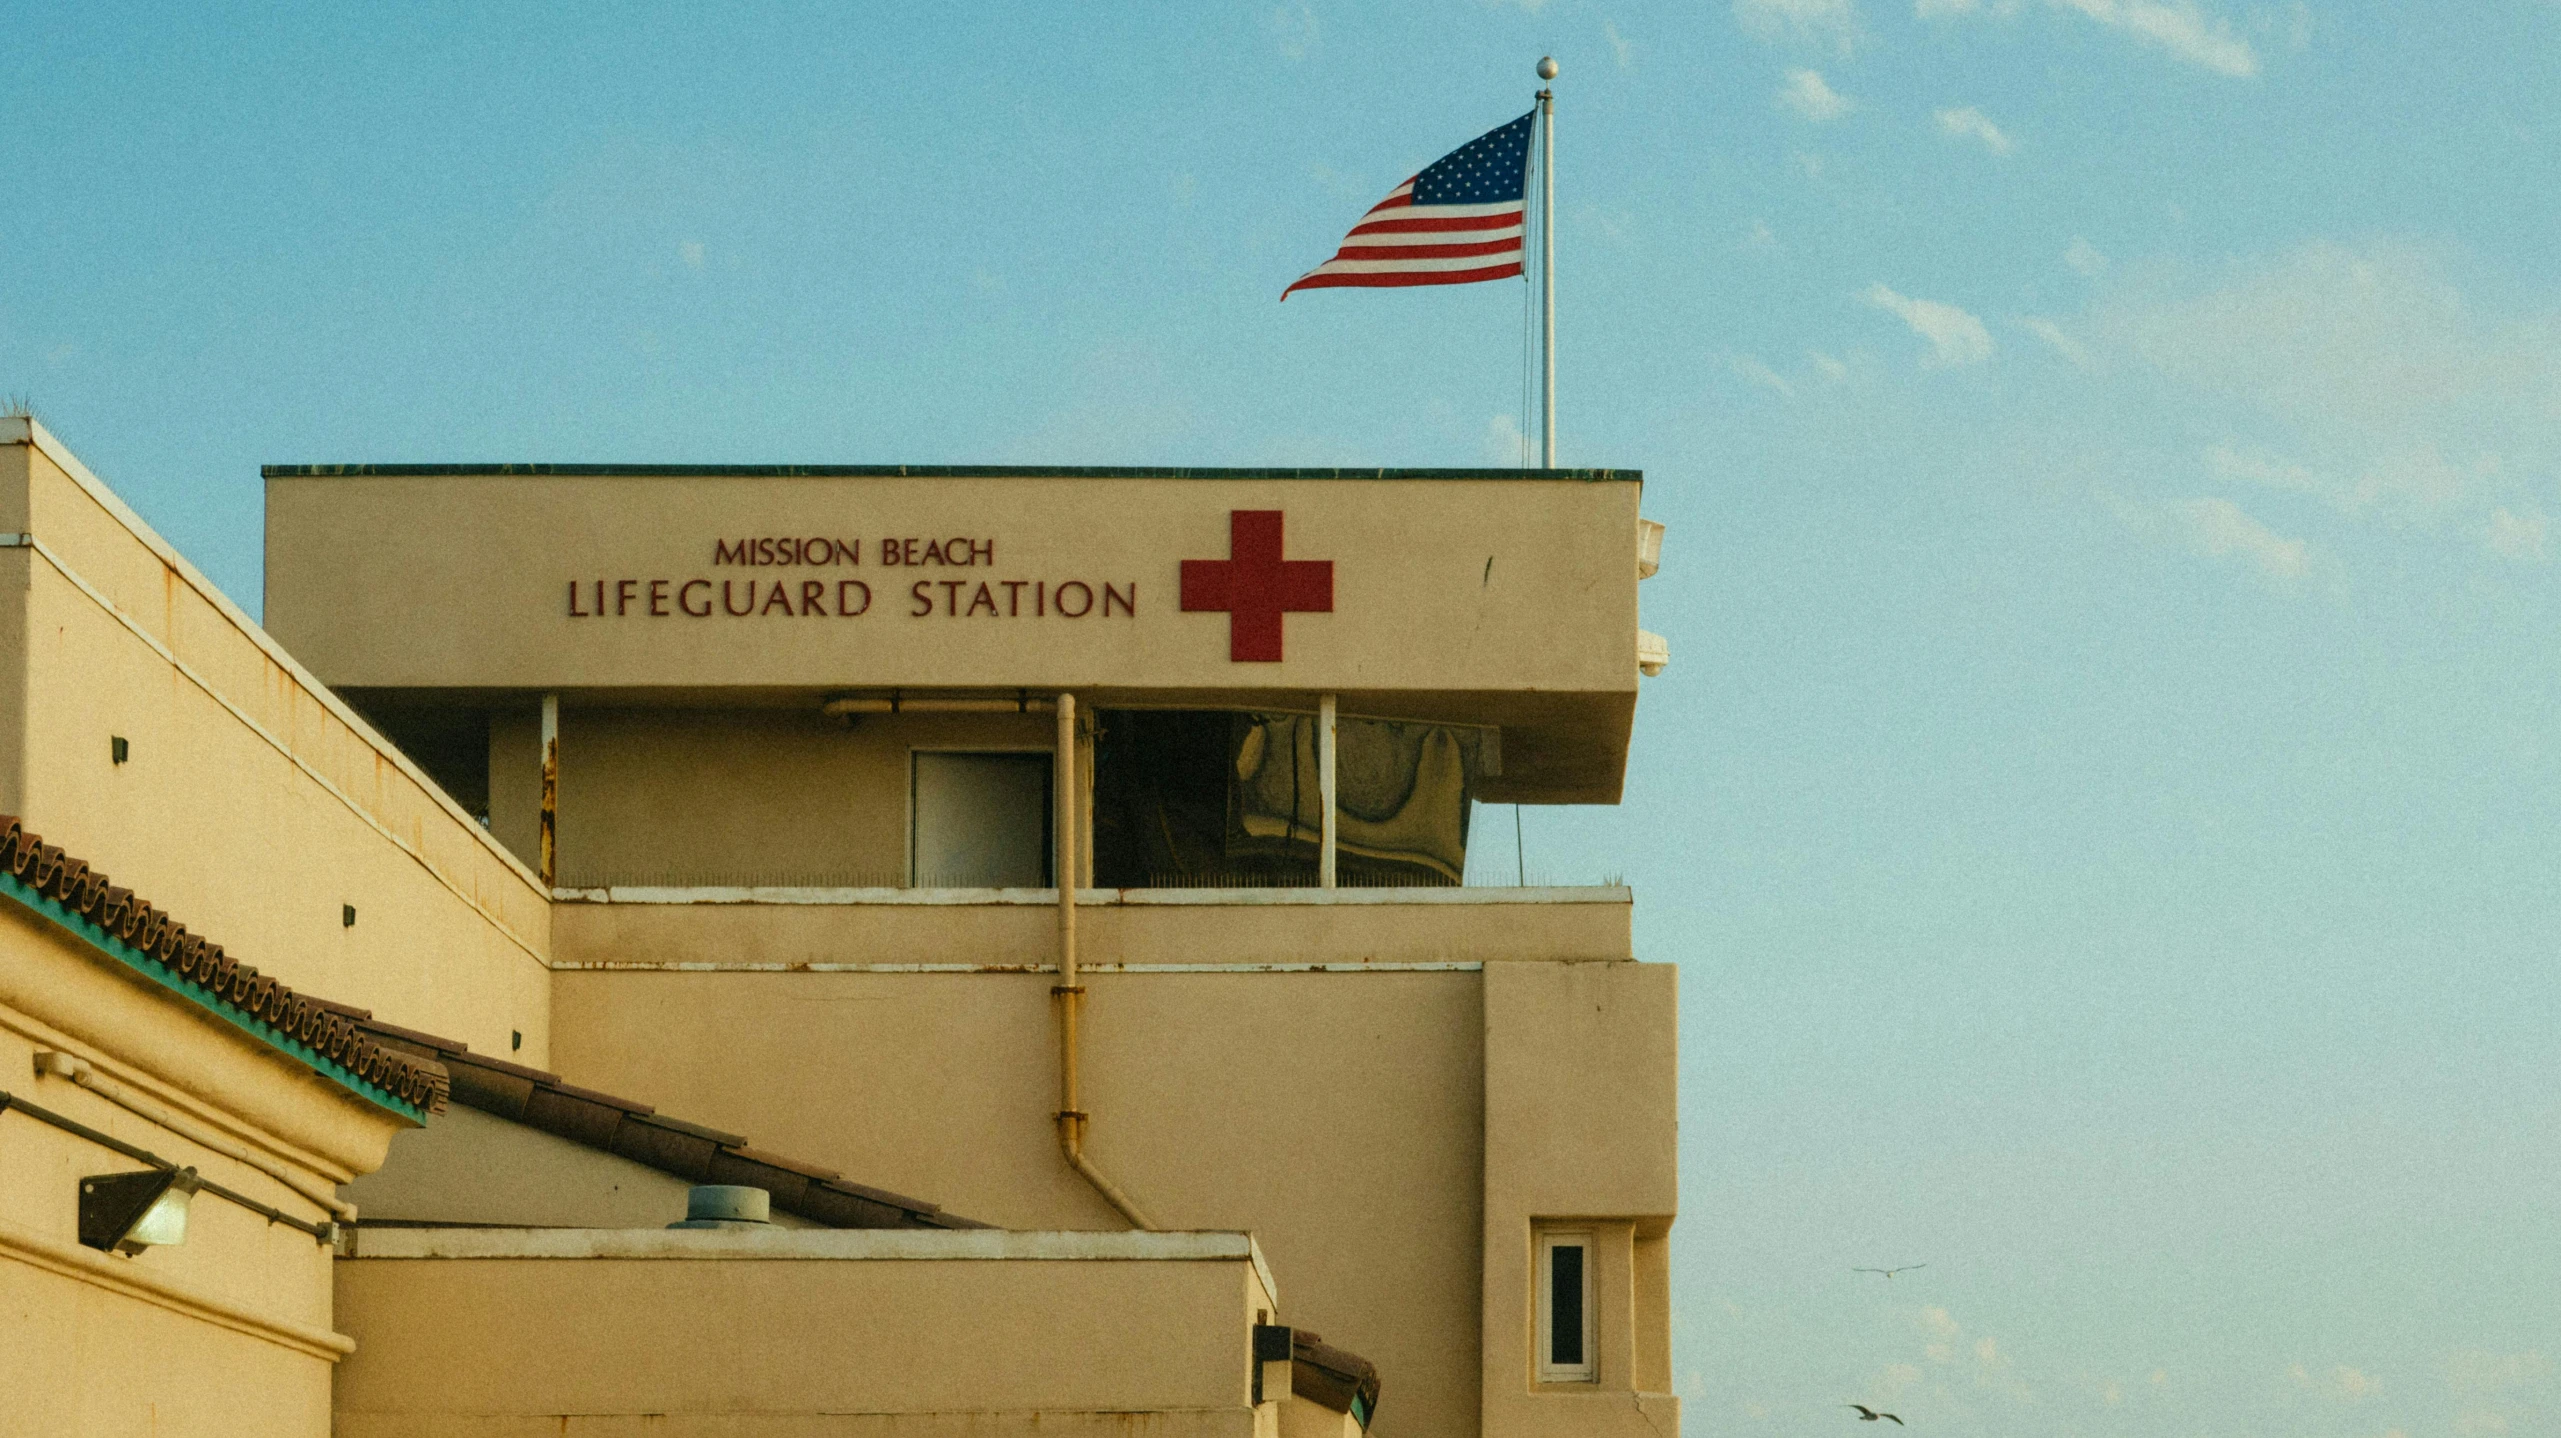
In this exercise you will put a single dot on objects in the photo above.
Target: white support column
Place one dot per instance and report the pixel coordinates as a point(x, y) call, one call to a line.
point(550, 789)
point(1325, 834)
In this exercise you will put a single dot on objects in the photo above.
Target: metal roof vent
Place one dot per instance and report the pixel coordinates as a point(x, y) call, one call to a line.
point(726, 1205)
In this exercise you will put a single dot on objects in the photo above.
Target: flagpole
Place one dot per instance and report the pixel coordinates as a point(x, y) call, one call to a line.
point(1547, 254)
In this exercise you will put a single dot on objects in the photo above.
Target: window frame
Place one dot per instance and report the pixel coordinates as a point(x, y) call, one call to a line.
point(1544, 1328)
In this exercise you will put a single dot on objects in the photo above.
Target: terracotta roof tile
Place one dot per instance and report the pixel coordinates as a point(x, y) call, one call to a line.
point(316, 1032)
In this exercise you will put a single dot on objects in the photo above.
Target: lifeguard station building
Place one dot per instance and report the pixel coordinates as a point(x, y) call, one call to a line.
point(794, 950)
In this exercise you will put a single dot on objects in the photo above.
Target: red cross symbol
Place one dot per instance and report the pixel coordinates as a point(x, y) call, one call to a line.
point(1254, 586)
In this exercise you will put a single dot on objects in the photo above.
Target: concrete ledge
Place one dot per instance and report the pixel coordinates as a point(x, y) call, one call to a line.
point(1099, 898)
point(876, 1244)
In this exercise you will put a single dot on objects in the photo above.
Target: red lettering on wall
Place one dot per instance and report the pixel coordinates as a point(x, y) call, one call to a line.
point(1082, 588)
point(951, 596)
point(863, 608)
point(685, 602)
point(924, 602)
point(1128, 602)
point(733, 610)
point(1013, 597)
point(781, 596)
point(813, 596)
point(574, 611)
point(658, 599)
point(983, 597)
point(623, 589)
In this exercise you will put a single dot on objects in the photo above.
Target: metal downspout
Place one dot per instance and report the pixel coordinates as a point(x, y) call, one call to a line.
point(1070, 993)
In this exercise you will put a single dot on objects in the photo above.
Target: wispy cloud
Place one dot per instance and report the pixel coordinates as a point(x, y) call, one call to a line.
point(1832, 23)
point(1968, 123)
point(2072, 350)
point(2180, 27)
point(2084, 257)
point(2220, 530)
point(1293, 30)
point(1956, 337)
point(1806, 93)
point(1620, 50)
point(1505, 445)
point(1751, 368)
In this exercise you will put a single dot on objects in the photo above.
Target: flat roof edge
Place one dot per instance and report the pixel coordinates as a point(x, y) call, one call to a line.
point(782, 1244)
point(922, 471)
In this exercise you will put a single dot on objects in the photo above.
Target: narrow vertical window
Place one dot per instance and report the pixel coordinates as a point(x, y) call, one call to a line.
point(1565, 1308)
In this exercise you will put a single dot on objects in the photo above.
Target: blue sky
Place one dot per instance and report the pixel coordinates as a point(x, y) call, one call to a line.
point(2103, 799)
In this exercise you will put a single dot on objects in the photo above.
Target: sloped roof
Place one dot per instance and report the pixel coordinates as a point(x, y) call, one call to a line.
point(635, 1131)
point(128, 930)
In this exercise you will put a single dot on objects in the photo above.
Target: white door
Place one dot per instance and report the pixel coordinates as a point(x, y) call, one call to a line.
point(981, 821)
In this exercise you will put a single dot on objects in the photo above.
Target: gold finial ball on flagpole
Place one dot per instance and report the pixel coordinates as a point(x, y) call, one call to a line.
point(1547, 67)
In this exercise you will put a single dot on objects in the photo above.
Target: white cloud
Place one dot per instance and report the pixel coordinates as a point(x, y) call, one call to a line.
point(1968, 123)
point(2084, 257)
point(1819, 22)
point(1760, 236)
point(1956, 338)
point(2178, 27)
point(2520, 537)
point(691, 253)
point(1830, 368)
point(1505, 445)
point(1751, 368)
point(2352, 1385)
point(1807, 95)
point(2072, 350)
point(1620, 50)
point(1293, 29)
point(2220, 530)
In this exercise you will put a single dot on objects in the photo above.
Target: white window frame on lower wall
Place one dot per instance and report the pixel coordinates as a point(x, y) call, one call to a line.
point(1583, 1242)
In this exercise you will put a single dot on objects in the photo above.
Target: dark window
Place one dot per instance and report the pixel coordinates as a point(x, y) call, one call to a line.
point(1216, 799)
point(1565, 1306)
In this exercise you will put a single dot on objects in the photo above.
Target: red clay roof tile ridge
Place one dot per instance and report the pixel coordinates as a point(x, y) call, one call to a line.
point(318, 1033)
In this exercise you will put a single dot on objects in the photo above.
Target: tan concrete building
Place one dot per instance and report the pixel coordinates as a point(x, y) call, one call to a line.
point(746, 792)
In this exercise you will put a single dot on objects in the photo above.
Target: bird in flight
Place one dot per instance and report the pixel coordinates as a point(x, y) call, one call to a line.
point(1890, 1272)
point(1870, 1415)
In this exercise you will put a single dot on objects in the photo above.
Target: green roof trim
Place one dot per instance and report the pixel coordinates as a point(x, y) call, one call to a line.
point(98, 939)
point(922, 471)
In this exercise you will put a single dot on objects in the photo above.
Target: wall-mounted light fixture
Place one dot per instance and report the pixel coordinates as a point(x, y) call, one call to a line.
point(129, 1212)
point(346, 916)
point(117, 750)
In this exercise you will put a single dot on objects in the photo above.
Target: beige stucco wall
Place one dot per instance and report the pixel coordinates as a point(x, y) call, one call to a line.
point(253, 805)
point(1581, 1122)
point(228, 1332)
point(789, 1342)
point(353, 560)
point(1336, 1115)
point(466, 1166)
point(739, 796)
point(1509, 602)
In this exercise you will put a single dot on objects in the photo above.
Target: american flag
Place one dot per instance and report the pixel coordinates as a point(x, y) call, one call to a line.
point(1457, 222)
